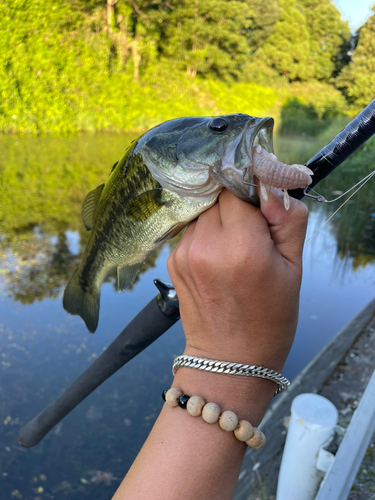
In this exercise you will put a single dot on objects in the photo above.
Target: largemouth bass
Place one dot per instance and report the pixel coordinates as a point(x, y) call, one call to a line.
point(165, 179)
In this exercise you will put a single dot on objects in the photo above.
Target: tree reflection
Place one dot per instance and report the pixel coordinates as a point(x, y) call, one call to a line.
point(46, 180)
point(354, 225)
point(37, 266)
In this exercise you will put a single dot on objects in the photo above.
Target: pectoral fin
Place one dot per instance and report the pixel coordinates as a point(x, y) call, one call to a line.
point(126, 276)
point(89, 205)
point(145, 205)
point(170, 233)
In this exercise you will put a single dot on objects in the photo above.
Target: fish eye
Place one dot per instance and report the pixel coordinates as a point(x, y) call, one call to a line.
point(219, 124)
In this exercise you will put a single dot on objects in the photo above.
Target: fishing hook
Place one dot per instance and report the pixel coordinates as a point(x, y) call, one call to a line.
point(248, 183)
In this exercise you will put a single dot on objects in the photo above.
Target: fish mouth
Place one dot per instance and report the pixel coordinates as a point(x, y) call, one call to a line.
point(259, 135)
point(262, 134)
point(235, 172)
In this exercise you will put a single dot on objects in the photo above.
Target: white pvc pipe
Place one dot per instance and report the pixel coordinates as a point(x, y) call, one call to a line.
point(312, 423)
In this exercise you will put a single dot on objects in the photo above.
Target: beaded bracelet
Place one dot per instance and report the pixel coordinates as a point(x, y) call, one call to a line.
point(211, 413)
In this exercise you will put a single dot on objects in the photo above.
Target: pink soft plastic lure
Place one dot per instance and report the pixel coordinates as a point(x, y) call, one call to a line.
point(273, 173)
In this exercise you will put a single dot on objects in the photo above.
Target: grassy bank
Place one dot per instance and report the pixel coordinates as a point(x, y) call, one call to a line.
point(120, 104)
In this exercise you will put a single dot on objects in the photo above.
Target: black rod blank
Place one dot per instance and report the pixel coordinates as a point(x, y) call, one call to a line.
point(356, 133)
point(144, 329)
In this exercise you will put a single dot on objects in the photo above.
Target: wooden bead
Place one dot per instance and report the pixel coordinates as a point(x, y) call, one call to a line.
point(228, 421)
point(257, 441)
point(172, 395)
point(211, 413)
point(244, 431)
point(195, 405)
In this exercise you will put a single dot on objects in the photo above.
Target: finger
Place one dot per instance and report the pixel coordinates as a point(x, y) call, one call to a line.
point(204, 246)
point(177, 262)
point(199, 234)
point(208, 223)
point(179, 270)
point(237, 214)
point(187, 236)
point(287, 227)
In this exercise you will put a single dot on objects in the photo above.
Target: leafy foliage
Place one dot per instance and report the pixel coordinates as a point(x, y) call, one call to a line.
point(309, 41)
point(262, 19)
point(208, 38)
point(358, 78)
point(87, 65)
point(329, 38)
point(287, 49)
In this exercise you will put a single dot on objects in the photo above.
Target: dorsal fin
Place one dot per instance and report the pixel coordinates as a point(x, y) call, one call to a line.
point(114, 166)
point(145, 205)
point(89, 205)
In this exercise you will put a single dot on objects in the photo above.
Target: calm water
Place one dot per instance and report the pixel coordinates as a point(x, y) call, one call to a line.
point(43, 349)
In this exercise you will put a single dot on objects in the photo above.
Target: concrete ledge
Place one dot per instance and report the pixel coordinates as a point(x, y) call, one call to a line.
point(310, 379)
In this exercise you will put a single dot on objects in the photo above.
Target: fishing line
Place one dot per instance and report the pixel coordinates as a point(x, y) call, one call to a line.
point(362, 183)
point(322, 199)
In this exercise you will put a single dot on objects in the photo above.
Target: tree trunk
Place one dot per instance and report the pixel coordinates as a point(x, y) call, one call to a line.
point(110, 12)
point(192, 72)
point(136, 59)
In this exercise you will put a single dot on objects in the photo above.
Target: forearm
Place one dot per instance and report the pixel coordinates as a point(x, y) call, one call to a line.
point(185, 457)
point(237, 272)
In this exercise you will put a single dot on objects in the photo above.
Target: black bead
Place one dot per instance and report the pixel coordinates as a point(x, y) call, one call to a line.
point(182, 401)
point(219, 124)
point(163, 394)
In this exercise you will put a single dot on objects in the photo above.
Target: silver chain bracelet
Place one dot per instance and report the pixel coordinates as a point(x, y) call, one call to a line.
point(215, 366)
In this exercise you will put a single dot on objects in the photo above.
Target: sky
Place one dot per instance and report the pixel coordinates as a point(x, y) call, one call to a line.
point(355, 11)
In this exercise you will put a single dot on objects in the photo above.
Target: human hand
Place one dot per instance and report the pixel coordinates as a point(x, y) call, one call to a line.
point(237, 272)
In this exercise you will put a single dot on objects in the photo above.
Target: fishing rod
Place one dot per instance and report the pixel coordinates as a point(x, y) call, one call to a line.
point(162, 311)
point(356, 133)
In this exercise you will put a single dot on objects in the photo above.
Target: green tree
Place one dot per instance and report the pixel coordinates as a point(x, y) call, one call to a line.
point(137, 31)
point(128, 64)
point(262, 19)
point(329, 38)
point(207, 38)
point(357, 80)
point(287, 50)
point(49, 63)
point(133, 28)
point(308, 41)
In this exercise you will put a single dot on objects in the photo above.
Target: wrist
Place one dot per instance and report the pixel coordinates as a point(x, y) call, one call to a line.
point(272, 357)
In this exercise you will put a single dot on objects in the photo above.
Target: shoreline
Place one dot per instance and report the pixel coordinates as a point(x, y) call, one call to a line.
point(340, 372)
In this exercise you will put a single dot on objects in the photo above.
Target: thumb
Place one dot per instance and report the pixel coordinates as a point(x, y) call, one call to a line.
point(287, 227)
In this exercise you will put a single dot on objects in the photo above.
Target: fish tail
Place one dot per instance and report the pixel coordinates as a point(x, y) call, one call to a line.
point(84, 303)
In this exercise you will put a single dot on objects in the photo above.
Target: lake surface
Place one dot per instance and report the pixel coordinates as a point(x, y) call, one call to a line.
point(43, 349)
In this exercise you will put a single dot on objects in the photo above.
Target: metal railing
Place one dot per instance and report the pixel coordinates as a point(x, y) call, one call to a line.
point(340, 476)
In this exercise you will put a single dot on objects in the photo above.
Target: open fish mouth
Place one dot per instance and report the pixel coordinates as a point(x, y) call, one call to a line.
point(270, 172)
point(249, 155)
point(236, 170)
point(262, 135)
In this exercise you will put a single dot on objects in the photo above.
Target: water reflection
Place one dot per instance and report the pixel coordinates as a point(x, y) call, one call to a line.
point(45, 181)
point(42, 235)
point(354, 225)
point(43, 349)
